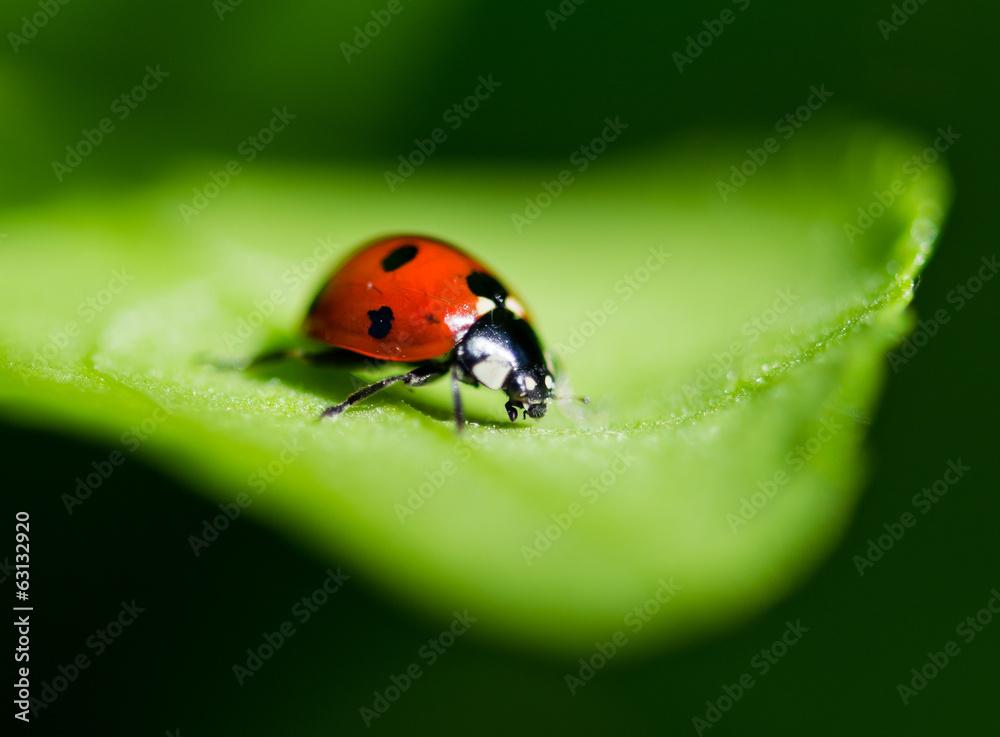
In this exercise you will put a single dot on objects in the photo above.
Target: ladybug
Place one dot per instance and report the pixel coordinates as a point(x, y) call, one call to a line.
point(417, 300)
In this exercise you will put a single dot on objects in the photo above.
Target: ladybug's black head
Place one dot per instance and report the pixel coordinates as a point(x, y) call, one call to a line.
point(501, 351)
point(530, 388)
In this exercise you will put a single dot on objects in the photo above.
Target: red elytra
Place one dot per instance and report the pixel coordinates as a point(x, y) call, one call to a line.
point(423, 308)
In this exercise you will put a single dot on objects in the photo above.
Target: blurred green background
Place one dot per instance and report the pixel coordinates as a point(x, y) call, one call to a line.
point(227, 73)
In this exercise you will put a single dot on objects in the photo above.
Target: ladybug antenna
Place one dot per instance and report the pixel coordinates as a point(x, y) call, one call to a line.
point(573, 398)
point(563, 392)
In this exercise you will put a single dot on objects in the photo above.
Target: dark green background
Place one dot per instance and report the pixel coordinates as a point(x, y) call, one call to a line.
point(607, 59)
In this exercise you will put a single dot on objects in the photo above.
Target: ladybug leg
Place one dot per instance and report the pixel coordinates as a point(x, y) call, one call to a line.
point(271, 356)
point(512, 408)
point(419, 376)
point(340, 357)
point(457, 398)
point(329, 357)
point(332, 356)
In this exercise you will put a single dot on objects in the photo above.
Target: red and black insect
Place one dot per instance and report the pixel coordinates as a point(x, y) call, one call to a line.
point(418, 300)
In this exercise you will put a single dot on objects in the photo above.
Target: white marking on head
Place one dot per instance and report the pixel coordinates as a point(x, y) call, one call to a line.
point(492, 372)
point(514, 306)
point(529, 383)
point(484, 305)
point(549, 384)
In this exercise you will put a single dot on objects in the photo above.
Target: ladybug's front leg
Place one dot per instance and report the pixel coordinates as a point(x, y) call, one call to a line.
point(456, 397)
point(512, 407)
point(419, 376)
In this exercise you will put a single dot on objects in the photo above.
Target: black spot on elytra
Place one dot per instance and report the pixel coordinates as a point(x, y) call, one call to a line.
point(484, 285)
point(381, 322)
point(431, 319)
point(399, 257)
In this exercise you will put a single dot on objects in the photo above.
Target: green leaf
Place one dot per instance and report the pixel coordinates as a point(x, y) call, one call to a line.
point(732, 346)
